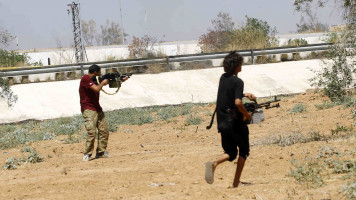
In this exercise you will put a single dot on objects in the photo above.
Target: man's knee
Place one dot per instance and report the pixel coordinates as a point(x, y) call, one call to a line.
point(244, 154)
point(232, 155)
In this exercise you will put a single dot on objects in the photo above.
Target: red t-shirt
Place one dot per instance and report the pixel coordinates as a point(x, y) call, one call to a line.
point(88, 98)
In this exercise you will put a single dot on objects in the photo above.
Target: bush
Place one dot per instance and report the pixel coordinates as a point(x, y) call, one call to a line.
point(297, 42)
point(350, 190)
point(143, 47)
point(224, 36)
point(192, 120)
point(6, 92)
point(294, 138)
point(12, 163)
point(324, 105)
point(169, 112)
point(33, 157)
point(339, 129)
point(12, 58)
point(308, 173)
point(298, 108)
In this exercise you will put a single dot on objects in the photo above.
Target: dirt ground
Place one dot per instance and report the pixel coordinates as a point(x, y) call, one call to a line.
point(166, 160)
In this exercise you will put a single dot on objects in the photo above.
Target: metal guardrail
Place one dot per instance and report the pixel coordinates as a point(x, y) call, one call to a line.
point(23, 71)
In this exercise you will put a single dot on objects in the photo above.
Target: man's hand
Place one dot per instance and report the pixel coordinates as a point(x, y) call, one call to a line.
point(124, 79)
point(249, 116)
point(250, 96)
point(105, 82)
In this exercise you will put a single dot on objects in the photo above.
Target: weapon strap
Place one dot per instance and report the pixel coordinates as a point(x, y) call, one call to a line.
point(212, 120)
point(118, 88)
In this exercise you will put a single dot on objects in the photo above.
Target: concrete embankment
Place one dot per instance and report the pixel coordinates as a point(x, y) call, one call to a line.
point(58, 99)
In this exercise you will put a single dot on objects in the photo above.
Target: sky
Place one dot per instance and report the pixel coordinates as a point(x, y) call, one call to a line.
point(46, 23)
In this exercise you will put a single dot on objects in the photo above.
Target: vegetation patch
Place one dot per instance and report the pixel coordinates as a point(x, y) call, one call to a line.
point(32, 157)
point(299, 108)
point(324, 105)
point(308, 173)
point(312, 171)
point(12, 135)
point(290, 139)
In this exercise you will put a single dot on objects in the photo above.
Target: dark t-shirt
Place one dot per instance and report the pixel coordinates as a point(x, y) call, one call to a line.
point(88, 98)
point(230, 88)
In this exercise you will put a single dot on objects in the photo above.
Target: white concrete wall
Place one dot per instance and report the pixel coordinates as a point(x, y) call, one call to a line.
point(58, 99)
point(102, 53)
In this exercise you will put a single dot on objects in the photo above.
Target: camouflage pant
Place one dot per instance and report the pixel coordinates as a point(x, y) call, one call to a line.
point(94, 121)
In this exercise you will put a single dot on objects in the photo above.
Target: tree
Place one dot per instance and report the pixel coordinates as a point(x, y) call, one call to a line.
point(340, 75)
point(142, 47)
point(224, 36)
point(5, 90)
point(109, 34)
point(313, 25)
point(5, 38)
point(219, 37)
point(89, 32)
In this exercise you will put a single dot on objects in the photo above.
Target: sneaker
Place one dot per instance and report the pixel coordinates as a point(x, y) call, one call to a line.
point(103, 155)
point(86, 158)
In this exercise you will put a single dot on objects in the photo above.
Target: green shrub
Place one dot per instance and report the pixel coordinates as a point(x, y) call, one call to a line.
point(350, 190)
point(12, 58)
point(192, 120)
point(12, 163)
point(347, 101)
point(339, 129)
point(308, 173)
point(294, 138)
point(324, 105)
point(169, 112)
point(327, 152)
point(298, 108)
point(34, 157)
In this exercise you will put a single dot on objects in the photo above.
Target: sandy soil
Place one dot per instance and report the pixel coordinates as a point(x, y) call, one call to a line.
point(166, 160)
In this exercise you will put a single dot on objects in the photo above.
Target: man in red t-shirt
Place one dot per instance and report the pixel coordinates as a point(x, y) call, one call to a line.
point(93, 114)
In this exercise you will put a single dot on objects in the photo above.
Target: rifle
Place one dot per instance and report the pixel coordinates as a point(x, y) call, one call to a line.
point(254, 107)
point(114, 78)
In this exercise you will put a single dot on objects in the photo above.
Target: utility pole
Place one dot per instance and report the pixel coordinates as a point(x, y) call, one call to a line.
point(122, 25)
point(77, 32)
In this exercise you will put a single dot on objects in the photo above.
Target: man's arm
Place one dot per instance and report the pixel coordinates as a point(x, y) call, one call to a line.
point(97, 88)
point(240, 106)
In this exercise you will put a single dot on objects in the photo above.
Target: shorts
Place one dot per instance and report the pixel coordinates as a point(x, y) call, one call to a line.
point(237, 137)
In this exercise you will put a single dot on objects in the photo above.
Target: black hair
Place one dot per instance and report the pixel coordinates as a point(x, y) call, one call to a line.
point(232, 61)
point(94, 68)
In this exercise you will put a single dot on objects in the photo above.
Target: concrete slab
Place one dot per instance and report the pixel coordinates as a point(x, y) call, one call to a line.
point(59, 99)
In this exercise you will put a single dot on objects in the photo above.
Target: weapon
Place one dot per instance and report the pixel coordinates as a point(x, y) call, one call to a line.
point(254, 107)
point(114, 78)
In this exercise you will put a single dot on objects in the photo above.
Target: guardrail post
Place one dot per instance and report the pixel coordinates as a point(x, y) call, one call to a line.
point(82, 70)
point(167, 63)
point(252, 57)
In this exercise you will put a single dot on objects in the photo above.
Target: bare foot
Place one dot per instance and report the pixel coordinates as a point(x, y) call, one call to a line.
point(240, 184)
point(209, 172)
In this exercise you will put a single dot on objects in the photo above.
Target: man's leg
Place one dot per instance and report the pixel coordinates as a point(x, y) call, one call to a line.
point(90, 118)
point(211, 166)
point(103, 135)
point(244, 146)
point(222, 158)
point(239, 168)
